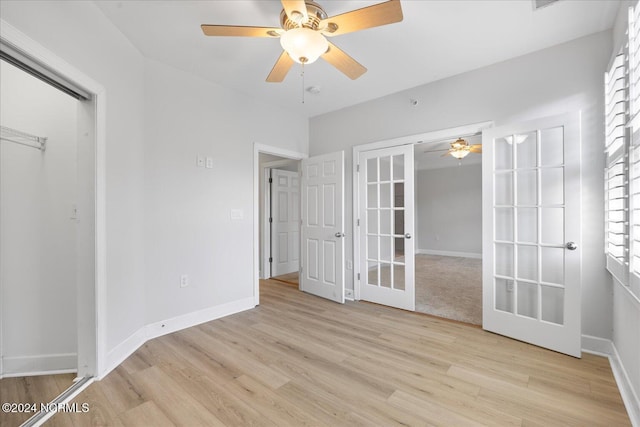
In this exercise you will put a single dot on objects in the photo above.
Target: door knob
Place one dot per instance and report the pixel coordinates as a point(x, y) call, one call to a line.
point(407, 236)
point(339, 234)
point(571, 246)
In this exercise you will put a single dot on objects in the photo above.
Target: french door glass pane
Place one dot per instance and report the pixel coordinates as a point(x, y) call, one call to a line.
point(527, 225)
point(385, 221)
point(552, 264)
point(372, 221)
point(399, 250)
point(503, 154)
point(398, 167)
point(372, 273)
point(372, 170)
point(503, 189)
point(372, 195)
point(504, 259)
point(552, 226)
point(527, 188)
point(552, 304)
point(504, 224)
point(552, 180)
point(385, 195)
point(398, 277)
point(504, 295)
point(528, 299)
point(527, 262)
point(526, 149)
point(385, 168)
point(385, 275)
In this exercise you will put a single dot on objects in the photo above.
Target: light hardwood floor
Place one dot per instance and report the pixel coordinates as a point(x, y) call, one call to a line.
point(36, 389)
point(301, 360)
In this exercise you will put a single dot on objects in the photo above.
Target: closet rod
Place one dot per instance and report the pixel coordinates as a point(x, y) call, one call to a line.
point(23, 138)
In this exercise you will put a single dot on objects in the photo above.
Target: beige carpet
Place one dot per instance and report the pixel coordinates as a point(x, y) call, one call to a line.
point(449, 287)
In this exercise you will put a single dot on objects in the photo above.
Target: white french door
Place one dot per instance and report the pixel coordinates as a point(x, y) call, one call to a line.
point(531, 232)
point(386, 211)
point(322, 272)
point(285, 222)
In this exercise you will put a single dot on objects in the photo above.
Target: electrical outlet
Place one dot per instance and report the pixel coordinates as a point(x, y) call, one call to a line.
point(348, 293)
point(349, 265)
point(184, 281)
point(200, 161)
point(209, 164)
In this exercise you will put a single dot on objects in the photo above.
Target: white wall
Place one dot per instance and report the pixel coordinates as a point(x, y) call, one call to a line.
point(449, 210)
point(563, 78)
point(189, 229)
point(38, 245)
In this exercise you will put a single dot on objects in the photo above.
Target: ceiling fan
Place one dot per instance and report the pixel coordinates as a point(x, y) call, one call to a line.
point(304, 25)
point(459, 149)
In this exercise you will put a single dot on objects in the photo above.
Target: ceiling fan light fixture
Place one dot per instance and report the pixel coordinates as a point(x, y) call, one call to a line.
point(304, 45)
point(459, 153)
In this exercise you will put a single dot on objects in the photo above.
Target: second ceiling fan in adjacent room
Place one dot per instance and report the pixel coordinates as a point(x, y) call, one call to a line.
point(303, 32)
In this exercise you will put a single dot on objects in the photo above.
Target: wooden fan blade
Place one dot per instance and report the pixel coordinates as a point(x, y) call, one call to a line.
point(296, 10)
point(446, 154)
point(280, 69)
point(435, 151)
point(343, 62)
point(476, 148)
point(360, 19)
point(239, 31)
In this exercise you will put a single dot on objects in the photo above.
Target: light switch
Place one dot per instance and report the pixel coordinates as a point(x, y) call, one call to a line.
point(209, 162)
point(200, 161)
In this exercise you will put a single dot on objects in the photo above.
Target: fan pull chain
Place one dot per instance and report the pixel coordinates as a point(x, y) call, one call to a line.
point(302, 75)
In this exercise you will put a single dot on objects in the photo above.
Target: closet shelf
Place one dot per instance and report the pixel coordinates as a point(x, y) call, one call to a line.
point(22, 138)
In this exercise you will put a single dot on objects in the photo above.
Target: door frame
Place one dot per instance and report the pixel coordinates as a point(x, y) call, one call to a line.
point(421, 138)
point(91, 233)
point(257, 203)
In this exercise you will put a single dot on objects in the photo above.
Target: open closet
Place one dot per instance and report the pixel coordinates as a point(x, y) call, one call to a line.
point(38, 255)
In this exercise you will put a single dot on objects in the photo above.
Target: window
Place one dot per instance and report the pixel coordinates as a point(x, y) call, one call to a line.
point(622, 171)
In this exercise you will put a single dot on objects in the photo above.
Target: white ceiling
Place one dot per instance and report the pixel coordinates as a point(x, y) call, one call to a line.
point(436, 39)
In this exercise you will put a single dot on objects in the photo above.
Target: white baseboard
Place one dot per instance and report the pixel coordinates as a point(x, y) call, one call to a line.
point(449, 253)
point(119, 353)
point(44, 364)
point(604, 347)
point(188, 320)
point(125, 349)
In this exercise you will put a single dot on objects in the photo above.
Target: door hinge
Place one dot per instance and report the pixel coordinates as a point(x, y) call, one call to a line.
point(270, 180)
point(357, 168)
point(358, 222)
point(358, 276)
point(270, 220)
point(270, 259)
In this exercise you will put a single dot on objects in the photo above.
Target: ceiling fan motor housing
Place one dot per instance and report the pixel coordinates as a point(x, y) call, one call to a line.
point(315, 12)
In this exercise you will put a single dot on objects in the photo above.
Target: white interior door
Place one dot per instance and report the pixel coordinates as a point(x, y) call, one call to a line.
point(285, 222)
point(322, 271)
point(386, 210)
point(531, 232)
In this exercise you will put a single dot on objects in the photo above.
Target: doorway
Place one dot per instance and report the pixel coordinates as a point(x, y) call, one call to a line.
point(449, 231)
point(266, 159)
point(280, 218)
point(409, 237)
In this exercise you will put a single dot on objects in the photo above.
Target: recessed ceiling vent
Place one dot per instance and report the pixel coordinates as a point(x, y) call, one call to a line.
point(539, 4)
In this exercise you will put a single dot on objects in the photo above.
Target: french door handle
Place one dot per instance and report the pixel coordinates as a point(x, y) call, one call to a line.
point(339, 234)
point(407, 236)
point(571, 246)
